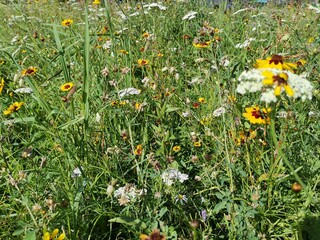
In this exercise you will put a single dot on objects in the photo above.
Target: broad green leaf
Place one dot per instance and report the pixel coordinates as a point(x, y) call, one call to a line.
point(129, 221)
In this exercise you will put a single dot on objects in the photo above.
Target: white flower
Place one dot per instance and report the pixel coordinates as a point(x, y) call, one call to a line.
point(129, 192)
point(251, 81)
point(152, 5)
point(190, 15)
point(23, 90)
point(185, 114)
point(76, 173)
point(98, 117)
point(107, 45)
point(181, 198)
point(105, 72)
point(128, 91)
point(219, 111)
point(245, 44)
point(171, 174)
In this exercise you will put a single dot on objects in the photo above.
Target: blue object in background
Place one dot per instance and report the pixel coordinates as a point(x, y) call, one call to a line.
point(262, 1)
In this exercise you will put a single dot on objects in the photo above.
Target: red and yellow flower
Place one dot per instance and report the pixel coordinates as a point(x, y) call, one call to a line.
point(257, 115)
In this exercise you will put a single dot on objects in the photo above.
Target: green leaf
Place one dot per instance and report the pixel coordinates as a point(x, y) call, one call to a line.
point(219, 206)
point(30, 236)
point(172, 109)
point(129, 221)
point(162, 212)
point(18, 232)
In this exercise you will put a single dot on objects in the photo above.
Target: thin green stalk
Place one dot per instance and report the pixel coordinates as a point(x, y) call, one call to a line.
point(279, 150)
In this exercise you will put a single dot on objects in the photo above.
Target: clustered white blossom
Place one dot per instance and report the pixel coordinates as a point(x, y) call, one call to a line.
point(251, 82)
point(170, 175)
point(129, 192)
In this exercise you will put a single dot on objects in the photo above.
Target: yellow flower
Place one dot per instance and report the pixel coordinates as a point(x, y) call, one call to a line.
point(138, 150)
point(55, 232)
point(275, 61)
point(123, 51)
point(202, 100)
point(280, 81)
point(176, 148)
point(13, 108)
point(66, 87)
point(96, 2)
point(155, 235)
point(202, 44)
point(29, 71)
point(197, 144)
point(67, 22)
point(143, 62)
point(256, 115)
point(1, 85)
point(145, 35)
point(1, 62)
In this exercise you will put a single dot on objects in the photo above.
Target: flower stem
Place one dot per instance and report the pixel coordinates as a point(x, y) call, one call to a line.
point(279, 150)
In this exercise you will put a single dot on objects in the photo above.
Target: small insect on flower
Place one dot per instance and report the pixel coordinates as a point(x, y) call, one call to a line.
point(256, 115)
point(29, 71)
point(67, 22)
point(66, 87)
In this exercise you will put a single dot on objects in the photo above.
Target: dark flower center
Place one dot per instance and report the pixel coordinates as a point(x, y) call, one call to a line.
point(276, 59)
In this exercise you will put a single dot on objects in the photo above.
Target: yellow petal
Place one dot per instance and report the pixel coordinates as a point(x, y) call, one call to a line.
point(54, 233)
point(277, 90)
point(61, 237)
point(46, 236)
point(267, 81)
point(289, 90)
point(144, 237)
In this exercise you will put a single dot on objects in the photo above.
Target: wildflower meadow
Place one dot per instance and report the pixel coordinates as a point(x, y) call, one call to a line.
point(167, 120)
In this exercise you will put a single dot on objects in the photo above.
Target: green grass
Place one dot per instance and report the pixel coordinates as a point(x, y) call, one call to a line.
point(242, 183)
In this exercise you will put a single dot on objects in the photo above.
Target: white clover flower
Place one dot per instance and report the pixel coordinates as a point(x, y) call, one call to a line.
point(128, 91)
point(301, 87)
point(190, 15)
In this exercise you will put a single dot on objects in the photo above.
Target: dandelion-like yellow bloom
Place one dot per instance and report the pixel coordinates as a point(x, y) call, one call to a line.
point(176, 148)
point(66, 87)
point(96, 2)
point(13, 108)
point(29, 71)
point(202, 44)
point(143, 62)
point(256, 115)
point(280, 81)
point(67, 22)
point(1, 85)
point(275, 61)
